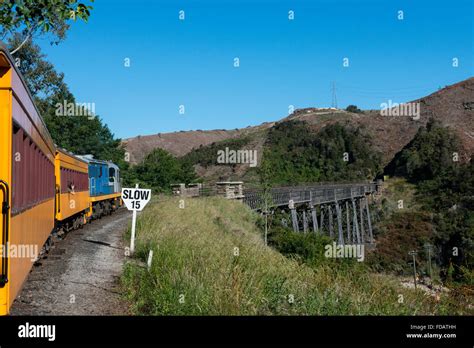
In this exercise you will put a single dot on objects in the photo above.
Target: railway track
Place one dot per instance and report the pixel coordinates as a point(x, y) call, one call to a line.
point(80, 275)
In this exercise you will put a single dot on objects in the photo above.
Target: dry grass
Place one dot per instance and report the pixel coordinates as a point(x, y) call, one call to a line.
point(209, 259)
point(396, 190)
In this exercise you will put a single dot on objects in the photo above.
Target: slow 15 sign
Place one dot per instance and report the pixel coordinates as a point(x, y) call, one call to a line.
point(135, 198)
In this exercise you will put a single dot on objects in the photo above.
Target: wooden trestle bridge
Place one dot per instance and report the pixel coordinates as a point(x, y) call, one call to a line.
point(339, 210)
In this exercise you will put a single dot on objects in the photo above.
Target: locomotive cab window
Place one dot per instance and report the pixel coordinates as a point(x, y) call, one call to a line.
point(111, 174)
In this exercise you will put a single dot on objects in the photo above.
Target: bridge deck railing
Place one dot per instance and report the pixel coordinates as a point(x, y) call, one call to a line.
point(281, 196)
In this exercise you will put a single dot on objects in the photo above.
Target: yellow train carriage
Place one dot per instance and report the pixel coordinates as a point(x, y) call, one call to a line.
point(72, 191)
point(27, 183)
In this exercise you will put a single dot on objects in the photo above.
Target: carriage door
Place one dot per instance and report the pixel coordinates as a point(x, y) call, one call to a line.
point(5, 194)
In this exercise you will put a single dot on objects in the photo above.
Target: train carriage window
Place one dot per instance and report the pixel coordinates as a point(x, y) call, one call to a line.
point(24, 168)
point(34, 175)
point(30, 164)
point(71, 177)
point(17, 191)
point(40, 179)
point(32, 172)
point(45, 176)
point(40, 176)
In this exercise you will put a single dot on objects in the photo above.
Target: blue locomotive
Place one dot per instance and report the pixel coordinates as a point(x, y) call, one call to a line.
point(104, 186)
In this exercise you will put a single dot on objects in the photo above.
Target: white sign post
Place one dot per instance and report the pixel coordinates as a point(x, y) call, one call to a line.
point(135, 199)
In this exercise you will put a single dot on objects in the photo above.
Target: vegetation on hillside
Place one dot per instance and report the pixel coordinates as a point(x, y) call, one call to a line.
point(160, 169)
point(444, 191)
point(429, 156)
point(207, 155)
point(295, 154)
point(209, 259)
point(396, 236)
point(354, 109)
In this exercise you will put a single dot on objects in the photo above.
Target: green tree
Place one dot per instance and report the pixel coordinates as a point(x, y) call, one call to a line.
point(42, 79)
point(78, 134)
point(450, 196)
point(39, 17)
point(446, 190)
point(429, 155)
point(207, 155)
point(296, 154)
point(354, 109)
point(160, 169)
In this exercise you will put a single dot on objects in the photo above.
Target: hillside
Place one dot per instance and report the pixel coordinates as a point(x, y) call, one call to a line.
point(210, 259)
point(180, 143)
point(453, 106)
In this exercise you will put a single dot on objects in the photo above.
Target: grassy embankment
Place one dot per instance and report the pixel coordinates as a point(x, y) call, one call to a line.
point(209, 259)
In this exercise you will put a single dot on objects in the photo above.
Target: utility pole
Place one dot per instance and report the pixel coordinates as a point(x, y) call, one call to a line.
point(266, 222)
point(413, 253)
point(429, 248)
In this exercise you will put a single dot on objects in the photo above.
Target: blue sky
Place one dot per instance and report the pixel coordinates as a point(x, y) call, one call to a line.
point(282, 62)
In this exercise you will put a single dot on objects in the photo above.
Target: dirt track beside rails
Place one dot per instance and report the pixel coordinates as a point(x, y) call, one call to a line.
point(80, 275)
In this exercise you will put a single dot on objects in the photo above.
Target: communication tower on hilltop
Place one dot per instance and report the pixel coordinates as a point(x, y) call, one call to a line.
point(334, 97)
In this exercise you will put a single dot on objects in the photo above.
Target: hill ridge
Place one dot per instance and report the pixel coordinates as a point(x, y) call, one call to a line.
point(452, 105)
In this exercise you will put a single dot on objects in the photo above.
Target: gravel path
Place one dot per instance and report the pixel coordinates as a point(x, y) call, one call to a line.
point(80, 275)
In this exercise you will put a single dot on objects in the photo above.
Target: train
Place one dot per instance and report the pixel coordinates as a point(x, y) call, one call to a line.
point(45, 190)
